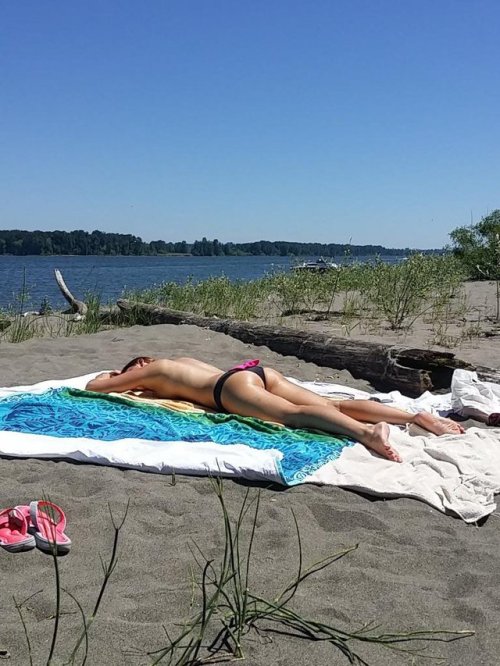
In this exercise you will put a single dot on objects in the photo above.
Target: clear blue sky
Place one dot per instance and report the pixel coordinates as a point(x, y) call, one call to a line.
point(375, 121)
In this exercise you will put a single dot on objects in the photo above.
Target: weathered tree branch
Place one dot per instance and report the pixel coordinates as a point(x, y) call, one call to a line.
point(78, 307)
point(409, 370)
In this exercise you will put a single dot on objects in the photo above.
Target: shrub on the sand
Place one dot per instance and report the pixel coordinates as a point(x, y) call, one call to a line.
point(405, 291)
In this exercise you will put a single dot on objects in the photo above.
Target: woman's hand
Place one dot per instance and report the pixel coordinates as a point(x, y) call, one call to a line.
point(107, 375)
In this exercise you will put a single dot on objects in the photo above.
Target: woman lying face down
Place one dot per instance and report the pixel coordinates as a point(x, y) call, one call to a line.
point(251, 390)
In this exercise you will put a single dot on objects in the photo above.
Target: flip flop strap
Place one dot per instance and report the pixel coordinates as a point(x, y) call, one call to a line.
point(39, 515)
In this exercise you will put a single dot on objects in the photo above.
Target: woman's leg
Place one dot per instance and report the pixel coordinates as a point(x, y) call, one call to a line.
point(373, 412)
point(244, 394)
point(369, 411)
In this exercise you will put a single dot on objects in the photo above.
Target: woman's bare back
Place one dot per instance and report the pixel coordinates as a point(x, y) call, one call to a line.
point(182, 379)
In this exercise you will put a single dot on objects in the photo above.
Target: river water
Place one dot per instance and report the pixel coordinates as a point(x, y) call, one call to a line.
point(108, 277)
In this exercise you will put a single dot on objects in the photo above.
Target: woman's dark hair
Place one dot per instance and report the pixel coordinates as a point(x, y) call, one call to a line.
point(148, 359)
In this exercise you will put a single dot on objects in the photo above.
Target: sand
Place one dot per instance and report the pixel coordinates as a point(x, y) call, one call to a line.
point(414, 568)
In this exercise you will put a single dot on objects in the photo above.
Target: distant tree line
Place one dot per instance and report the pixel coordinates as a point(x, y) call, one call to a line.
point(21, 243)
point(82, 243)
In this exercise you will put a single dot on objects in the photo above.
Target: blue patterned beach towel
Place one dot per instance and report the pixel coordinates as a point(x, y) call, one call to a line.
point(72, 413)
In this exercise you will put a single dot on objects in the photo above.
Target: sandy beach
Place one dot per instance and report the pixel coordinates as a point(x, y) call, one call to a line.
point(415, 568)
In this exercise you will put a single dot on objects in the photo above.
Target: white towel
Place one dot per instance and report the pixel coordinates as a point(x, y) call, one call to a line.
point(456, 473)
point(472, 397)
point(453, 473)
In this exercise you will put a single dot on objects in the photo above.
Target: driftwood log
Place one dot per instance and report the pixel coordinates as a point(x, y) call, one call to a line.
point(409, 370)
point(77, 307)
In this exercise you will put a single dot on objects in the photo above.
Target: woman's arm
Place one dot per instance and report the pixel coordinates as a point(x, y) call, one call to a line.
point(114, 382)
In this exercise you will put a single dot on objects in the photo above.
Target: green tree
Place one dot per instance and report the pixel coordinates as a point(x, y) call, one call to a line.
point(478, 247)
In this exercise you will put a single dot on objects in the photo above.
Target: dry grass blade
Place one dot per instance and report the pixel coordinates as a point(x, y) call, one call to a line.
point(107, 574)
point(25, 629)
point(84, 622)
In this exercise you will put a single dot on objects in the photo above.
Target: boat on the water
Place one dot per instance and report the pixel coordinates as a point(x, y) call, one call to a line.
point(321, 265)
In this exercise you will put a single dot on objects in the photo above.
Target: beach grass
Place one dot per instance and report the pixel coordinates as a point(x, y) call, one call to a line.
point(357, 296)
point(397, 292)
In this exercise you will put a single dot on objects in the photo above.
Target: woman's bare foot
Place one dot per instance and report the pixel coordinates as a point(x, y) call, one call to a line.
point(437, 424)
point(378, 440)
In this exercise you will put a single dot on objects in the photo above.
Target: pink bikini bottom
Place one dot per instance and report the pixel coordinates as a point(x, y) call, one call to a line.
point(249, 366)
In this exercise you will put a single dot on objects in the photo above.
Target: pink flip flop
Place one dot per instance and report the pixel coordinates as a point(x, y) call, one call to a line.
point(14, 535)
point(49, 522)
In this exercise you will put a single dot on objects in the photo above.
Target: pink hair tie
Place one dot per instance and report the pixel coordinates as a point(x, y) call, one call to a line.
point(247, 364)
